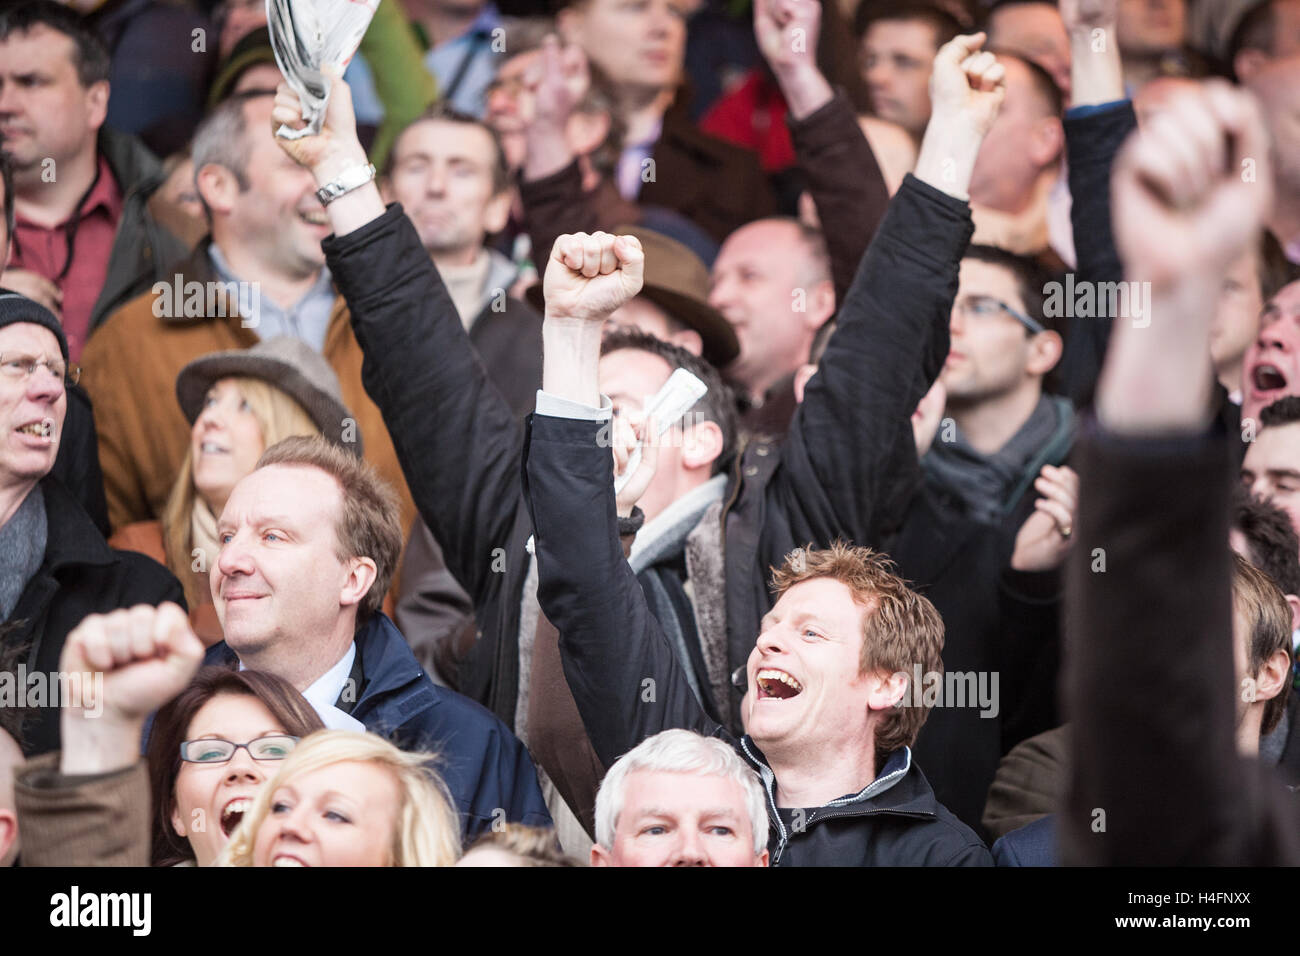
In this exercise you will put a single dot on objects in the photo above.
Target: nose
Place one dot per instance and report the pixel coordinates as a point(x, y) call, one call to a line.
point(1271, 337)
point(436, 182)
point(956, 321)
point(689, 850)
point(878, 75)
point(243, 768)
point(771, 640)
point(720, 294)
point(43, 385)
point(234, 558)
point(295, 826)
point(1259, 487)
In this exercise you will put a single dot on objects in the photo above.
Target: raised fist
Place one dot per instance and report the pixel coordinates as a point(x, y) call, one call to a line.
point(147, 655)
point(967, 83)
point(1190, 189)
point(589, 276)
point(787, 32)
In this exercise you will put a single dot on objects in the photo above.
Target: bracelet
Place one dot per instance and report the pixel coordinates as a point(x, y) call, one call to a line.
point(345, 182)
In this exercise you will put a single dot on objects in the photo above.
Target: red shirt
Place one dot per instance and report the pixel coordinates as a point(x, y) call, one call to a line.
point(753, 115)
point(44, 250)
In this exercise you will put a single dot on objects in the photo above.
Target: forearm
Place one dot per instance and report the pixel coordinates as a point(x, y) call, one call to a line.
point(553, 207)
point(1096, 74)
point(610, 643)
point(456, 439)
point(571, 358)
point(947, 156)
point(854, 426)
point(1092, 142)
point(99, 744)
point(1158, 379)
point(548, 150)
point(845, 182)
point(805, 89)
point(1149, 685)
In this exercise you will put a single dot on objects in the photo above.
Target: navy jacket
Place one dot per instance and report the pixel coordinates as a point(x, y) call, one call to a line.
point(1034, 844)
point(486, 768)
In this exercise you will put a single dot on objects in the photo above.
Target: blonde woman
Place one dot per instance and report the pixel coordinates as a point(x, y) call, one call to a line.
point(238, 403)
point(345, 798)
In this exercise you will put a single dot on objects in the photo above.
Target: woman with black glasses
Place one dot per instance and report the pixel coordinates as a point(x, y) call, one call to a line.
point(210, 751)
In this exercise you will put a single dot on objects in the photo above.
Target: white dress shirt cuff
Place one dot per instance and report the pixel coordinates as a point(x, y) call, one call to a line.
point(553, 406)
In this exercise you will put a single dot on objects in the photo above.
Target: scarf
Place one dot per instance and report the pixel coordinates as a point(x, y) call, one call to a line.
point(985, 483)
point(22, 549)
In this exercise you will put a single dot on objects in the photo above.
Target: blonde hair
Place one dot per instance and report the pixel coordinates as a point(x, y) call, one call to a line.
point(428, 827)
point(279, 417)
point(901, 627)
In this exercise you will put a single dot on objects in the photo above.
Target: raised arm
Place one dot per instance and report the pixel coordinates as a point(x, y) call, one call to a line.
point(850, 459)
point(1096, 125)
point(455, 436)
point(1150, 685)
point(624, 676)
point(91, 807)
point(550, 187)
point(844, 179)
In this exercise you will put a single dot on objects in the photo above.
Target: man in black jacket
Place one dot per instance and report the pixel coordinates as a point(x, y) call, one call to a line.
point(55, 566)
point(819, 726)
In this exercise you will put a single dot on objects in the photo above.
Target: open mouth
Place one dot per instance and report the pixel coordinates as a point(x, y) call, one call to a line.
point(775, 684)
point(314, 217)
point(287, 861)
point(41, 429)
point(1268, 378)
point(233, 812)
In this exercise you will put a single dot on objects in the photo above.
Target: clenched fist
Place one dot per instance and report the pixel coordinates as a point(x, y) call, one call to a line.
point(589, 276)
point(967, 83)
point(139, 660)
point(146, 655)
point(1192, 187)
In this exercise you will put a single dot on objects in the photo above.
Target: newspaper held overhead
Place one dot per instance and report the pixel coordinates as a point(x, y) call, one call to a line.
point(309, 35)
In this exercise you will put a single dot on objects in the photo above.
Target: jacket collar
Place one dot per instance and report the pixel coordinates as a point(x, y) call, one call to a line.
point(390, 676)
point(898, 788)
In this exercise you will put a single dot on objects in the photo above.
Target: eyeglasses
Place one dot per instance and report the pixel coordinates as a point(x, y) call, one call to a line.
point(23, 367)
point(216, 750)
point(985, 307)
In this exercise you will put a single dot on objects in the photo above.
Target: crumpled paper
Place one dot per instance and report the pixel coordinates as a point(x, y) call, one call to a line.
point(308, 36)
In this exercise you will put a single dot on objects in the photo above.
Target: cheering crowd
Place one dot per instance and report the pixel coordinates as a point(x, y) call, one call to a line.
point(637, 433)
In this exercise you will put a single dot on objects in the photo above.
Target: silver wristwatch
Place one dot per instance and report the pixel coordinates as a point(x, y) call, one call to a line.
point(345, 182)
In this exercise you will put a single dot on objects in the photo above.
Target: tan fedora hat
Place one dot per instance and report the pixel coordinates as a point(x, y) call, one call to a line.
point(292, 366)
point(677, 281)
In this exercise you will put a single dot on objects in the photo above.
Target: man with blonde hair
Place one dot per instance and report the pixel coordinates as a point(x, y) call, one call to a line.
point(680, 799)
point(309, 541)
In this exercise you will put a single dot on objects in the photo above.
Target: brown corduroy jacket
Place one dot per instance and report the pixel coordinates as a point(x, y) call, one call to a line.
point(99, 820)
point(129, 367)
